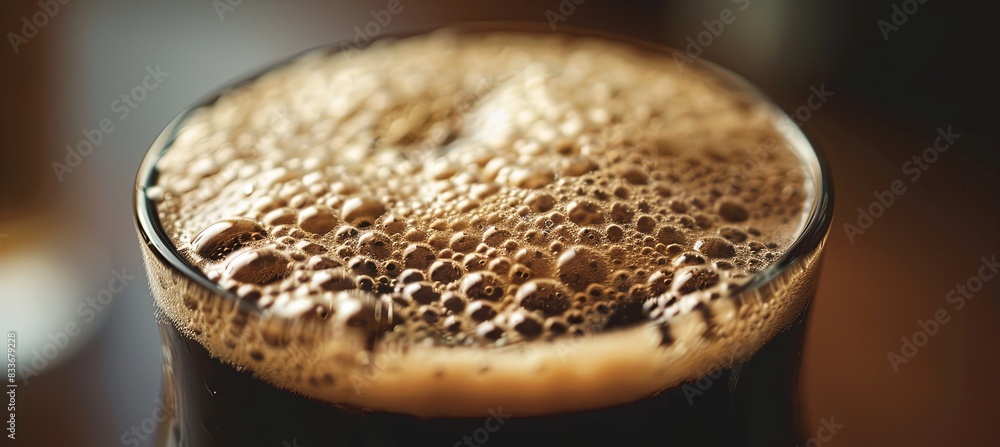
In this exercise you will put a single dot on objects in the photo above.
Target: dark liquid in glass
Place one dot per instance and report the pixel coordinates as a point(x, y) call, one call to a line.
point(750, 404)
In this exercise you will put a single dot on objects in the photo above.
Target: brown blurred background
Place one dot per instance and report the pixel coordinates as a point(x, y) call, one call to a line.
point(62, 240)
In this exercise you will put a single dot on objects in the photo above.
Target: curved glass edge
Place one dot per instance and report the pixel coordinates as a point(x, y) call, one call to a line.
point(808, 242)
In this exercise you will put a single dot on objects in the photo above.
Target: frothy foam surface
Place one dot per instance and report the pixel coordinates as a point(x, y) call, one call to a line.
point(539, 222)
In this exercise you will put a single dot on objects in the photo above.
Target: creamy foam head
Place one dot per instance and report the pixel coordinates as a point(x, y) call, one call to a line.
point(539, 222)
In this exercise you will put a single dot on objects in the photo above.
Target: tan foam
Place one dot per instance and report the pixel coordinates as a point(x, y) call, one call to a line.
point(441, 225)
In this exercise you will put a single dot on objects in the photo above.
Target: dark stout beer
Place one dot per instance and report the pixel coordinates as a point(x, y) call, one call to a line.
point(482, 238)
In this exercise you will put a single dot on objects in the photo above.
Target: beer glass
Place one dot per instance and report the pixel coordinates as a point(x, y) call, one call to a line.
point(735, 401)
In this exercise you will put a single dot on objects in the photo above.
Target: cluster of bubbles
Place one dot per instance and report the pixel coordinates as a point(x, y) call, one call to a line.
point(488, 205)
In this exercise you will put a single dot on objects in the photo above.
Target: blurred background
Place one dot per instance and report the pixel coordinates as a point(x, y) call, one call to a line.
point(896, 76)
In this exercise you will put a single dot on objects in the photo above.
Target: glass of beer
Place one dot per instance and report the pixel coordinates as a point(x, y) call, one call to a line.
point(482, 235)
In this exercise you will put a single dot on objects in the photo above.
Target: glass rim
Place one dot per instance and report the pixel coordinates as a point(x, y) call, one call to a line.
point(811, 235)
